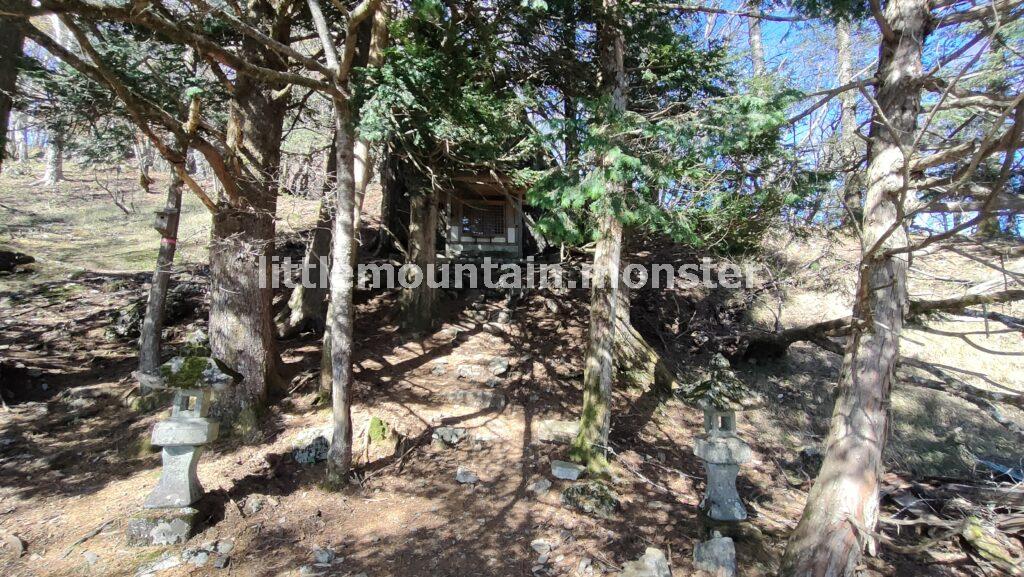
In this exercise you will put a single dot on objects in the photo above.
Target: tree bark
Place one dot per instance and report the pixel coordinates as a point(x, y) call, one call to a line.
point(843, 503)
point(590, 445)
point(341, 315)
point(418, 302)
point(153, 323)
point(754, 34)
point(54, 171)
point(851, 191)
point(10, 51)
point(241, 316)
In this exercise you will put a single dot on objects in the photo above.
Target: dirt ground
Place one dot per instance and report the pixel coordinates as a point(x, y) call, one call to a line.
point(75, 462)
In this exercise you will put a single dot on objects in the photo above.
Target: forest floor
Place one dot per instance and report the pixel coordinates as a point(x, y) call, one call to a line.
point(75, 462)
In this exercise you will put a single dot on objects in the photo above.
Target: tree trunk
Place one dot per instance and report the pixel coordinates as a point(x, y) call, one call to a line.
point(241, 316)
point(307, 305)
point(152, 325)
point(844, 499)
point(21, 135)
point(754, 34)
point(418, 302)
point(54, 171)
point(851, 192)
point(591, 443)
point(341, 315)
point(10, 52)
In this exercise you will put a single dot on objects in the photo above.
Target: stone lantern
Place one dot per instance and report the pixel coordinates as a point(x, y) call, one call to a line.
point(168, 517)
point(721, 396)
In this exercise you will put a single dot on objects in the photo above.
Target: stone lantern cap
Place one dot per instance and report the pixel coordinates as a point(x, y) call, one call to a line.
point(722, 391)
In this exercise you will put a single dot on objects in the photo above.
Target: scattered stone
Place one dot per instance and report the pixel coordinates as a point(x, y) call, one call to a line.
point(311, 571)
point(465, 476)
point(593, 498)
point(717, 556)
point(541, 546)
point(91, 558)
point(449, 436)
point(468, 372)
point(323, 556)
point(161, 526)
point(225, 546)
point(652, 563)
point(477, 399)
point(498, 366)
point(539, 487)
point(503, 318)
point(253, 504)
point(552, 306)
point(199, 558)
point(439, 369)
point(555, 431)
point(566, 470)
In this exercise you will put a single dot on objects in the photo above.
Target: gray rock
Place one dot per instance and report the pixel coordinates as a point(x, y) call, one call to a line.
point(566, 470)
point(91, 558)
point(465, 476)
point(439, 369)
point(450, 436)
point(554, 430)
point(539, 487)
point(225, 546)
point(477, 399)
point(652, 563)
point(253, 504)
point(717, 556)
point(199, 558)
point(323, 556)
point(313, 452)
point(541, 546)
point(498, 366)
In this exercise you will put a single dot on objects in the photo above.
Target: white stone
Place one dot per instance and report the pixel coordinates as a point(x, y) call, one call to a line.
point(566, 470)
point(653, 563)
point(539, 487)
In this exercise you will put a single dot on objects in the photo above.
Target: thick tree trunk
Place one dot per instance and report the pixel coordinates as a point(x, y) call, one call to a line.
point(341, 316)
point(241, 316)
point(418, 302)
point(754, 34)
point(10, 51)
point(153, 323)
point(54, 171)
point(843, 504)
point(307, 305)
point(590, 445)
point(852, 183)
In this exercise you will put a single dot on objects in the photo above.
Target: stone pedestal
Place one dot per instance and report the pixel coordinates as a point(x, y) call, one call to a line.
point(722, 452)
point(167, 518)
point(161, 526)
